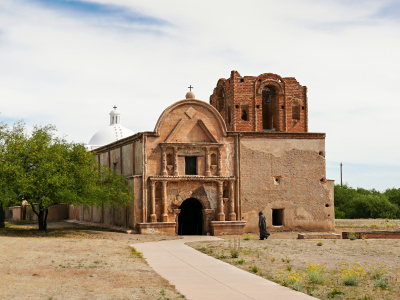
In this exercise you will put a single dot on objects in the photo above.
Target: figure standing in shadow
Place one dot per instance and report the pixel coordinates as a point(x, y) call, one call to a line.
point(262, 224)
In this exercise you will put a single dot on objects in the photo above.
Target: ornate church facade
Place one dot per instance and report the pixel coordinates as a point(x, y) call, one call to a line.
point(211, 168)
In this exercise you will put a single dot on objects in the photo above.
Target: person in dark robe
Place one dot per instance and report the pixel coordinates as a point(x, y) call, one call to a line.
point(262, 224)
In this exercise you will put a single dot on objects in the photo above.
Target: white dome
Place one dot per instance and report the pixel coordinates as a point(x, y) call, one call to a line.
point(111, 133)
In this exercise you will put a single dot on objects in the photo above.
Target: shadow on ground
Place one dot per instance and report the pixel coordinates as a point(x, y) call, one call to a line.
point(55, 229)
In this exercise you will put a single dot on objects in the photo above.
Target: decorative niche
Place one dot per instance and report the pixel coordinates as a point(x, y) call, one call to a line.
point(170, 163)
point(213, 164)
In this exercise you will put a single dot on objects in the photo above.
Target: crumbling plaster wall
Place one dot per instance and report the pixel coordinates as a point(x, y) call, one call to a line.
point(285, 174)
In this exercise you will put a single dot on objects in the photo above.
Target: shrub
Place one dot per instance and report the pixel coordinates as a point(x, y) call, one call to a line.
point(234, 253)
point(241, 261)
point(319, 244)
point(316, 277)
point(353, 236)
point(366, 297)
point(222, 255)
point(316, 274)
point(137, 253)
point(377, 272)
point(247, 237)
point(334, 293)
point(381, 282)
point(350, 280)
point(297, 286)
point(254, 269)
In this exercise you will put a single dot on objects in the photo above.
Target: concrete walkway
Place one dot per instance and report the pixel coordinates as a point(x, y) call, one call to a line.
point(199, 276)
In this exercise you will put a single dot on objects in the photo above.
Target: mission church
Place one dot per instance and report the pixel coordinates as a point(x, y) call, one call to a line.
point(211, 168)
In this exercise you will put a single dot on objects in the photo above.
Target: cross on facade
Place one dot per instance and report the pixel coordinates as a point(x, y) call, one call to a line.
point(190, 87)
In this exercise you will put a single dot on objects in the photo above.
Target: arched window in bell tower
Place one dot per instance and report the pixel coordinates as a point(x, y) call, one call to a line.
point(269, 108)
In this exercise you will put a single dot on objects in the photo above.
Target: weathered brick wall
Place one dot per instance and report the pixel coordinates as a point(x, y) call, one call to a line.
point(237, 94)
point(288, 175)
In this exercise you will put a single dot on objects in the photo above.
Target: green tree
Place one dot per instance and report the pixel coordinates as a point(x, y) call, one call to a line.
point(371, 206)
point(362, 203)
point(343, 194)
point(393, 196)
point(45, 169)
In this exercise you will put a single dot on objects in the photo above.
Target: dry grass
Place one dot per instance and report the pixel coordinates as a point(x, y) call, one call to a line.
point(76, 262)
point(325, 269)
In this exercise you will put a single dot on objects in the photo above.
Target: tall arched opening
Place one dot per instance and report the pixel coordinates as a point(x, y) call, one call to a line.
point(190, 219)
point(269, 108)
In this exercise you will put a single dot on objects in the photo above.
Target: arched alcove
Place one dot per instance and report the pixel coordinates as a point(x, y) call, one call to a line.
point(296, 110)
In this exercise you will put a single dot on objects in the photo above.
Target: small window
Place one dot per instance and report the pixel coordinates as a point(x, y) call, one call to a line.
point(191, 165)
point(277, 217)
point(245, 112)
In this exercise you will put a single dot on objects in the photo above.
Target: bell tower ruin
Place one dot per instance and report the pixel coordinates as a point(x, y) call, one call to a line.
point(266, 102)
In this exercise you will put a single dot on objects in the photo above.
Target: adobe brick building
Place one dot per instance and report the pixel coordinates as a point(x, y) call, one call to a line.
point(210, 168)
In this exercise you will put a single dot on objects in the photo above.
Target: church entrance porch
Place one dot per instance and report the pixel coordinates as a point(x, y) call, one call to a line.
point(190, 219)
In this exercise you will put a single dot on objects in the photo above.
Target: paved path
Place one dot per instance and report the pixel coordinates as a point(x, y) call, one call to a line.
point(199, 276)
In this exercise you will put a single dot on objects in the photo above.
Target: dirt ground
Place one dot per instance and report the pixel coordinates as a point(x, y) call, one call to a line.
point(287, 260)
point(76, 262)
point(79, 262)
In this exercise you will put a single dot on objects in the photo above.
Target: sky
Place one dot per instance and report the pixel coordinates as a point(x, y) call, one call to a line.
point(68, 62)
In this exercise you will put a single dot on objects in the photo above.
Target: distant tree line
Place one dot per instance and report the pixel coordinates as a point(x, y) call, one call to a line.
point(360, 203)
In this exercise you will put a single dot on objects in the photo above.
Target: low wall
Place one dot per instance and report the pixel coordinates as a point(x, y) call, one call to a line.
point(58, 212)
point(109, 216)
point(373, 234)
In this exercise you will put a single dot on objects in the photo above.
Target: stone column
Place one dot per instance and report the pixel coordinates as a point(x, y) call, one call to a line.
point(208, 172)
point(176, 172)
point(163, 162)
point(164, 216)
point(176, 214)
point(221, 214)
point(232, 214)
point(219, 162)
point(153, 216)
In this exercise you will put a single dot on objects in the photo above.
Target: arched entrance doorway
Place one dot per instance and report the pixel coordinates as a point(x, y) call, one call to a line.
point(190, 219)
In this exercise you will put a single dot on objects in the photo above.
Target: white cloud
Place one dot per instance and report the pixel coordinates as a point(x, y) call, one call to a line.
point(69, 69)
